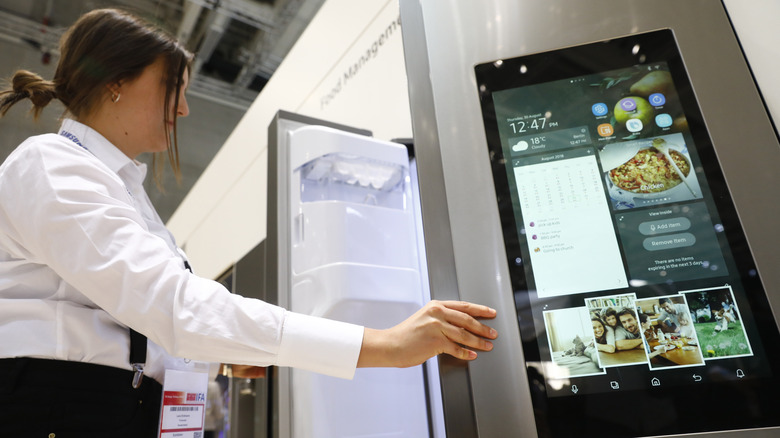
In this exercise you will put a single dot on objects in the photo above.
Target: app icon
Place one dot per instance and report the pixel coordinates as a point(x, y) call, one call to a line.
point(657, 99)
point(605, 129)
point(634, 125)
point(628, 104)
point(663, 120)
point(599, 109)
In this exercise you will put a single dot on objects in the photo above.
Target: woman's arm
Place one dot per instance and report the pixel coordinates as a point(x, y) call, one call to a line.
point(439, 327)
point(607, 348)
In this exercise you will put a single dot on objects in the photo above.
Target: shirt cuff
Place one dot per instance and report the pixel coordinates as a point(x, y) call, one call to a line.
point(321, 345)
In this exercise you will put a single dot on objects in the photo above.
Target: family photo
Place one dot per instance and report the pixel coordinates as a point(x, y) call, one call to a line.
point(616, 329)
point(670, 338)
point(572, 345)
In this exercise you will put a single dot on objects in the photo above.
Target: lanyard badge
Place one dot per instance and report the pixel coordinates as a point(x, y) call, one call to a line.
point(183, 403)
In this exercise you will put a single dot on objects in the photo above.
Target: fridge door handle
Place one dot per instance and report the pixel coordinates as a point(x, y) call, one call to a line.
point(299, 222)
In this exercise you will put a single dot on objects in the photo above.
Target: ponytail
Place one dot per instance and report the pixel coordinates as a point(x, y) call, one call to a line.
point(27, 85)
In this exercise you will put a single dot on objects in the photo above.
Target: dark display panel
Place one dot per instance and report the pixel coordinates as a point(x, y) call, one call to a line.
point(640, 307)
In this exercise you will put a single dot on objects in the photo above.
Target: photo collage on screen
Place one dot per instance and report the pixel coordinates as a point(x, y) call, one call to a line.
point(683, 330)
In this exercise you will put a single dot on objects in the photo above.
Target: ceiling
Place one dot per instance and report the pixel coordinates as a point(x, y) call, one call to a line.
point(238, 46)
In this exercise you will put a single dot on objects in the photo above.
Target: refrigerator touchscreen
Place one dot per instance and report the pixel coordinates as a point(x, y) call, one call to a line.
point(635, 288)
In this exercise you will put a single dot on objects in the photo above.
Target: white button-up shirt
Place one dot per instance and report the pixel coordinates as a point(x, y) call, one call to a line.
point(84, 256)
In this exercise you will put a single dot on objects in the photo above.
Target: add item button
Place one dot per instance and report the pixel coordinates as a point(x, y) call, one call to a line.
point(671, 225)
point(668, 242)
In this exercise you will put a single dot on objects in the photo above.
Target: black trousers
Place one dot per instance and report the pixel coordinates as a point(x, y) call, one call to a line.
point(61, 399)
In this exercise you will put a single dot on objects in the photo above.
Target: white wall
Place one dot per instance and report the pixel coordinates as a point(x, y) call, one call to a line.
point(348, 68)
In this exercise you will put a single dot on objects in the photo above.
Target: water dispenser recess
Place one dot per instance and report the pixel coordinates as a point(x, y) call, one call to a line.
point(353, 257)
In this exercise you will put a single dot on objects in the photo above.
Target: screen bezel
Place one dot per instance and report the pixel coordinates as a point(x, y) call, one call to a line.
point(748, 399)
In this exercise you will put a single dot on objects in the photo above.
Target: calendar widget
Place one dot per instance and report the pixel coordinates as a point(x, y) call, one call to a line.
point(567, 220)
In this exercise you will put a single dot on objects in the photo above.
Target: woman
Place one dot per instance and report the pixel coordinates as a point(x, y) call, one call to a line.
point(87, 268)
point(604, 342)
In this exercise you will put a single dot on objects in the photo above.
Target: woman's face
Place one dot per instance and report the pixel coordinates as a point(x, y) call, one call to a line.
point(141, 111)
point(598, 329)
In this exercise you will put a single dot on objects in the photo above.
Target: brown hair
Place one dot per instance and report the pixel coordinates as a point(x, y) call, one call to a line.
point(103, 47)
point(626, 311)
point(603, 338)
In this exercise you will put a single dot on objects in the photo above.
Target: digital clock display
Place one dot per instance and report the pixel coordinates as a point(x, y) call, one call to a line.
point(531, 123)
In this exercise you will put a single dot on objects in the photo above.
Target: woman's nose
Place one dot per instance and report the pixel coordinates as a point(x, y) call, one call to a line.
point(184, 109)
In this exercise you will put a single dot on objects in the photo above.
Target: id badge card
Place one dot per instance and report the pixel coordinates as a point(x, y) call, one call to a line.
point(183, 403)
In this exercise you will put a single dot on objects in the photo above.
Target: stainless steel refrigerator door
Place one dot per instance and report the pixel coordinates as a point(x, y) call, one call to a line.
point(443, 40)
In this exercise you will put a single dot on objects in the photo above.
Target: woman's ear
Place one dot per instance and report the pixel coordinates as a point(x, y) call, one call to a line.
point(114, 91)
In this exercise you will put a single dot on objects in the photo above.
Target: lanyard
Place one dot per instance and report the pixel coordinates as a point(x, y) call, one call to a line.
point(137, 356)
point(138, 342)
point(138, 350)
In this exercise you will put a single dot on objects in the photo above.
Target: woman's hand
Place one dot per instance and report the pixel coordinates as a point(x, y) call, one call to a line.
point(439, 327)
point(243, 371)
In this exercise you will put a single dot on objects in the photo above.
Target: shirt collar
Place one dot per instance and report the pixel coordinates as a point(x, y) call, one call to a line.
point(104, 150)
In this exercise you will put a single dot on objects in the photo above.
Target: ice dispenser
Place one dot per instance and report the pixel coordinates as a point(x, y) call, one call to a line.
point(354, 257)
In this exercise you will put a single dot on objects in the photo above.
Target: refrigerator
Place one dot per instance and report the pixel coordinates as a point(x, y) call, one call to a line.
point(519, 118)
point(345, 242)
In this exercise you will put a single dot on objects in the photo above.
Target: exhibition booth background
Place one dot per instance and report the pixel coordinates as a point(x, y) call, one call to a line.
point(348, 67)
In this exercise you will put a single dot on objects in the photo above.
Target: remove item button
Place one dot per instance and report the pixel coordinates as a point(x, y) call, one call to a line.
point(668, 242)
point(664, 226)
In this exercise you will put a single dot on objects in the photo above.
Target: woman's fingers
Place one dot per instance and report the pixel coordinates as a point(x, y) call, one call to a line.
point(467, 339)
point(461, 329)
point(248, 371)
point(475, 310)
point(459, 352)
point(467, 320)
point(460, 323)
